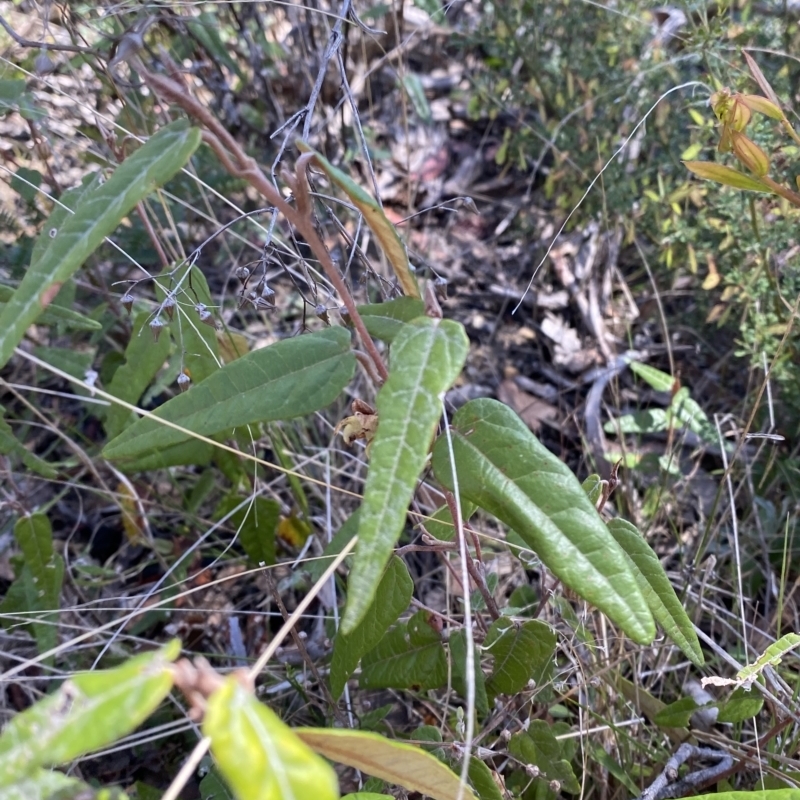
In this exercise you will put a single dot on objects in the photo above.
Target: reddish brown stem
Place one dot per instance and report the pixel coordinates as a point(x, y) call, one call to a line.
point(228, 151)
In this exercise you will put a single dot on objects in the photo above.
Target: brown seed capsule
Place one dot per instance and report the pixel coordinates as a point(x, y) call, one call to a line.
point(242, 273)
point(127, 302)
point(207, 318)
point(322, 313)
point(183, 381)
point(268, 294)
point(156, 326)
point(440, 287)
point(346, 318)
point(168, 306)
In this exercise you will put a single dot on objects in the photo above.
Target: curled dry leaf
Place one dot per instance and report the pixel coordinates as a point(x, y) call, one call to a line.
point(361, 425)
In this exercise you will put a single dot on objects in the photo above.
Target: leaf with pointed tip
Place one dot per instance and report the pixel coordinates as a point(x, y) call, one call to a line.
point(385, 320)
point(395, 762)
point(539, 747)
point(11, 446)
point(392, 599)
point(53, 314)
point(391, 244)
point(504, 468)
point(45, 784)
point(427, 357)
point(657, 589)
point(261, 757)
point(285, 380)
point(97, 215)
point(727, 176)
point(88, 711)
point(410, 655)
point(522, 653)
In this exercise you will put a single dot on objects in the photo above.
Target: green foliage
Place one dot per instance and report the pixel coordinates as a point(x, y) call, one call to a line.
point(504, 469)
point(522, 653)
point(98, 213)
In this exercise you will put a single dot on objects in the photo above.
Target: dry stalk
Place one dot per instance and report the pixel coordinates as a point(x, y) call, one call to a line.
point(240, 165)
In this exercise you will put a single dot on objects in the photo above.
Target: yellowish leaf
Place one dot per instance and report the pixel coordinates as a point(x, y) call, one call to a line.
point(713, 278)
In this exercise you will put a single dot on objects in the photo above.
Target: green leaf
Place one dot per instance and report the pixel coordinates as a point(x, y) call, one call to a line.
point(677, 714)
point(315, 567)
point(256, 523)
point(416, 93)
point(755, 794)
point(522, 652)
point(285, 380)
point(651, 421)
point(441, 526)
point(657, 589)
point(196, 340)
point(43, 575)
point(26, 182)
point(482, 780)
point(54, 314)
point(427, 357)
point(458, 653)
point(11, 446)
point(395, 762)
point(727, 176)
point(89, 710)
point(385, 320)
point(213, 787)
point(410, 656)
point(660, 381)
point(393, 596)
point(539, 747)
point(771, 657)
point(504, 469)
point(44, 784)
point(391, 244)
point(593, 486)
point(741, 705)
point(143, 360)
point(259, 756)
point(98, 214)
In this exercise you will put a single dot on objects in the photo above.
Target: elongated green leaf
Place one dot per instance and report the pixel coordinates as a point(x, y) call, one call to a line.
point(593, 486)
point(650, 421)
point(395, 762)
point(677, 714)
point(740, 706)
point(45, 568)
point(285, 380)
point(441, 526)
point(54, 314)
point(427, 357)
point(88, 711)
point(259, 756)
point(256, 524)
point(44, 784)
point(769, 658)
point(390, 242)
point(408, 656)
point(504, 469)
point(755, 794)
point(11, 446)
point(522, 653)
point(539, 747)
point(392, 599)
point(385, 320)
point(458, 653)
point(657, 589)
point(727, 176)
point(660, 381)
point(99, 212)
point(196, 340)
point(143, 359)
point(483, 781)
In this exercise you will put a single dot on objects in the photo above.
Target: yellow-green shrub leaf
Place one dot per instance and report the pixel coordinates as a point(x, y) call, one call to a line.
point(88, 711)
point(727, 176)
point(259, 756)
point(395, 762)
point(385, 320)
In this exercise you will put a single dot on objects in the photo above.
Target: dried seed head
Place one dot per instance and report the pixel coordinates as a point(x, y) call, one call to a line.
point(440, 287)
point(127, 302)
point(242, 273)
point(168, 306)
point(184, 380)
point(531, 770)
point(156, 325)
point(346, 318)
point(268, 294)
point(555, 786)
point(207, 318)
point(322, 312)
